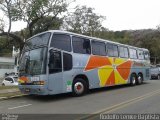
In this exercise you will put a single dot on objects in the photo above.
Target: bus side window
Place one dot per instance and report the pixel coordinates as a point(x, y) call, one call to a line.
point(67, 62)
point(112, 50)
point(140, 55)
point(55, 62)
point(61, 41)
point(146, 55)
point(133, 53)
point(98, 48)
point(81, 45)
point(123, 52)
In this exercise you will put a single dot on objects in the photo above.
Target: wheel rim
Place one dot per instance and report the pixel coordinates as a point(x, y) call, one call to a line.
point(139, 79)
point(133, 80)
point(79, 88)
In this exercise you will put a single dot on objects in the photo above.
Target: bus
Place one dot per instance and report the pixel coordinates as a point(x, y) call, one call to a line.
point(56, 61)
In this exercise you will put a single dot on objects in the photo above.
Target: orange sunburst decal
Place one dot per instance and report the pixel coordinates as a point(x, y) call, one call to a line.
point(111, 71)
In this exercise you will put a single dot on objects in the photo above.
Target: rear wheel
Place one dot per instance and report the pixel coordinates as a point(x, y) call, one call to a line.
point(133, 80)
point(79, 87)
point(140, 79)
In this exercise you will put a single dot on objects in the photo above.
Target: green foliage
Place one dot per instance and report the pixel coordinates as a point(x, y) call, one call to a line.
point(84, 21)
point(36, 12)
point(47, 24)
point(5, 50)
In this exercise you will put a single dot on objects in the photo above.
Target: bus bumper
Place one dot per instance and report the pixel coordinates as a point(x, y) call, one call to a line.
point(33, 90)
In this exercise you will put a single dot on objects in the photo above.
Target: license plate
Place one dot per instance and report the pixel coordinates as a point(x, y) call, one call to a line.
point(27, 90)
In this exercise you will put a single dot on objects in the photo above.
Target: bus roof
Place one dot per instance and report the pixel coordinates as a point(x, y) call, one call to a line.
point(93, 38)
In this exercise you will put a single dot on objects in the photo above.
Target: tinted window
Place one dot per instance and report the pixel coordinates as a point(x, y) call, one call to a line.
point(140, 54)
point(67, 62)
point(146, 55)
point(61, 41)
point(39, 40)
point(55, 64)
point(133, 53)
point(8, 79)
point(81, 45)
point(98, 48)
point(112, 50)
point(123, 52)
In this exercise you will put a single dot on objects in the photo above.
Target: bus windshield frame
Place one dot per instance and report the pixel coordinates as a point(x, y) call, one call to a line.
point(34, 55)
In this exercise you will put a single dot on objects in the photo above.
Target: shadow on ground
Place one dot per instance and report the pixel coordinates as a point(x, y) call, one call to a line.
point(59, 97)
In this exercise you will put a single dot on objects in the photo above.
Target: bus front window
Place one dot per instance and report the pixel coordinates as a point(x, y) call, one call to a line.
point(33, 62)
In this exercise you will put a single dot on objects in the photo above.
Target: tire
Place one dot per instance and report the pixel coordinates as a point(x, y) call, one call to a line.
point(133, 80)
point(158, 77)
point(139, 79)
point(79, 87)
point(3, 84)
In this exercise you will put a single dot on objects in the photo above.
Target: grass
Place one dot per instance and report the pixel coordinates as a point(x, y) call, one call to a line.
point(8, 87)
point(10, 94)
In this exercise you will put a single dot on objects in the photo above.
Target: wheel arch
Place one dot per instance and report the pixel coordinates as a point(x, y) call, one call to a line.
point(140, 73)
point(134, 73)
point(84, 77)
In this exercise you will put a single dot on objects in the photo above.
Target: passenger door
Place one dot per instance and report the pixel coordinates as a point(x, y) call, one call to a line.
point(55, 78)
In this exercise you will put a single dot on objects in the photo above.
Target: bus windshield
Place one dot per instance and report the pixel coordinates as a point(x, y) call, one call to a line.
point(33, 62)
point(40, 40)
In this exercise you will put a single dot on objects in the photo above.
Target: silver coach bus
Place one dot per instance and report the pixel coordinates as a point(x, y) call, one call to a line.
point(55, 62)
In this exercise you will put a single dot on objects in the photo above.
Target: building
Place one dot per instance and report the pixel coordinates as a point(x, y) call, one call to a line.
point(9, 64)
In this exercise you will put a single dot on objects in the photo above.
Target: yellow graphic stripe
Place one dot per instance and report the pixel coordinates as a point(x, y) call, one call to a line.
point(104, 74)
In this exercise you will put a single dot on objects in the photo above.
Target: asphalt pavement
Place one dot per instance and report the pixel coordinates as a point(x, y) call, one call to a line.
point(140, 99)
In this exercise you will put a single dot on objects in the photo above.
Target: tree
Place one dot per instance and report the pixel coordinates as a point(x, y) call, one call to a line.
point(36, 13)
point(84, 21)
point(46, 24)
point(33, 11)
point(7, 6)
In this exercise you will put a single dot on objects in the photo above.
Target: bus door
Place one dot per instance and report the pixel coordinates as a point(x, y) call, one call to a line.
point(55, 76)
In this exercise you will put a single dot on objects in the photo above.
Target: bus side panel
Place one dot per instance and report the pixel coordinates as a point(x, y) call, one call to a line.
point(110, 71)
point(103, 71)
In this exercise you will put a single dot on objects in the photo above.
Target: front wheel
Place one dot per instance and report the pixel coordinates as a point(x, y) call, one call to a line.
point(3, 84)
point(79, 87)
point(133, 80)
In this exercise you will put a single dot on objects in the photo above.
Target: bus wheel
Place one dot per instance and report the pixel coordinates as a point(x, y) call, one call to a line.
point(140, 79)
point(79, 87)
point(133, 80)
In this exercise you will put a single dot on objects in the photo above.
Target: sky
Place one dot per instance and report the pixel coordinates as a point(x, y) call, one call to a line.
point(120, 14)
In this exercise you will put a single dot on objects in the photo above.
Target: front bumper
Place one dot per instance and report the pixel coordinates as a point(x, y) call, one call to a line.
point(33, 89)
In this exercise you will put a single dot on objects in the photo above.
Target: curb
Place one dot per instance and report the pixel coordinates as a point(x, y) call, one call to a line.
point(15, 96)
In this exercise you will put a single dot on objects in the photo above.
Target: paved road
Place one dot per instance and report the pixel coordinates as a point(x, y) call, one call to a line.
point(139, 99)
